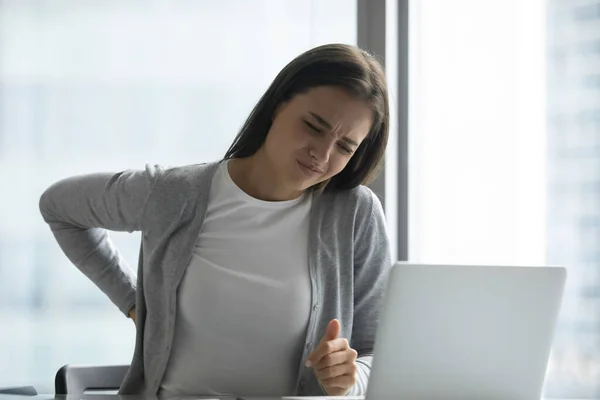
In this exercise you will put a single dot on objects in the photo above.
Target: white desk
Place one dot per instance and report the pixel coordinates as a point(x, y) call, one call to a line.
point(117, 397)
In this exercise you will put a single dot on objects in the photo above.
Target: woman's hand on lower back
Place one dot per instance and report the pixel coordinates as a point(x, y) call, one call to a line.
point(132, 315)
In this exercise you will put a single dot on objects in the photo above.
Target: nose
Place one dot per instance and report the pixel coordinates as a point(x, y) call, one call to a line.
point(321, 150)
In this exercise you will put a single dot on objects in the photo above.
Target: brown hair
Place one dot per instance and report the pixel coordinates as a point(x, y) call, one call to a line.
point(339, 65)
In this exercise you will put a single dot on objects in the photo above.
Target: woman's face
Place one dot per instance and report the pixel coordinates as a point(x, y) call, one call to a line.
point(314, 135)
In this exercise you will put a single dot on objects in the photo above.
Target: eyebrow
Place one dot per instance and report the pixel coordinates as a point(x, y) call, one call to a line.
point(327, 125)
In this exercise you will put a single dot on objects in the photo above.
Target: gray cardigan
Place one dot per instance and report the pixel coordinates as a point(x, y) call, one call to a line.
point(349, 258)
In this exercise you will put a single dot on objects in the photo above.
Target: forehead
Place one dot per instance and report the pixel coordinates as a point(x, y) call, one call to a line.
point(344, 112)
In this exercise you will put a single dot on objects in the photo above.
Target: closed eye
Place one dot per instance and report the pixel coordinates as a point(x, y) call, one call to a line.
point(341, 145)
point(345, 148)
point(312, 127)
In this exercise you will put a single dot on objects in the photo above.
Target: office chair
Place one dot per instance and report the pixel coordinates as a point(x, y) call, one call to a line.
point(76, 379)
point(19, 391)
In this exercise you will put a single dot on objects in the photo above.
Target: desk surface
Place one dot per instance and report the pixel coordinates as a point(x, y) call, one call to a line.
point(117, 397)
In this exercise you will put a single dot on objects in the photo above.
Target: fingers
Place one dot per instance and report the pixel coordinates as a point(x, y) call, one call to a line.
point(339, 357)
point(337, 371)
point(340, 385)
point(332, 331)
point(132, 315)
point(334, 361)
point(325, 348)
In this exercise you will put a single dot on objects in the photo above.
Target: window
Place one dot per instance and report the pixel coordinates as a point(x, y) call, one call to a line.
point(504, 158)
point(88, 86)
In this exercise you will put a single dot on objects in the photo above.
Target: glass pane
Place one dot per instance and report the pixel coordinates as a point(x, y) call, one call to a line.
point(94, 86)
point(505, 153)
point(573, 190)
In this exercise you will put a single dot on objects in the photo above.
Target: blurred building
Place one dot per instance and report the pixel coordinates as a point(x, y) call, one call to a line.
point(573, 212)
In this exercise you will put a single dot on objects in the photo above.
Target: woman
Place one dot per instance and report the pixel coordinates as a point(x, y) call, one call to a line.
point(261, 274)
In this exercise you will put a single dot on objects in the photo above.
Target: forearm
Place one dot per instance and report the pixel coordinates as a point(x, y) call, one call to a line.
point(94, 254)
point(80, 211)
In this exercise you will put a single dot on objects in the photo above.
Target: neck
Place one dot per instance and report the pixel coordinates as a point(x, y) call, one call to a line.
point(255, 176)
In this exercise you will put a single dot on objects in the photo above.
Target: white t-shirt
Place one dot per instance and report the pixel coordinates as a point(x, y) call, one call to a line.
point(244, 301)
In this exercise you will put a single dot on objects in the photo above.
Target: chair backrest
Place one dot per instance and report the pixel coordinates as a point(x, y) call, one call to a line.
point(19, 390)
point(76, 379)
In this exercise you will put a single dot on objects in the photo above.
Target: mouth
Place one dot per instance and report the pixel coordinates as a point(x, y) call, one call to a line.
point(310, 170)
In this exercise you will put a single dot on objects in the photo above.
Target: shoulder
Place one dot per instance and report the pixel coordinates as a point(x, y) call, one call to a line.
point(177, 189)
point(192, 175)
point(360, 201)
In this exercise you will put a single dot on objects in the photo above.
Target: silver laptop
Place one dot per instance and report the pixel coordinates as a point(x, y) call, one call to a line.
point(465, 332)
